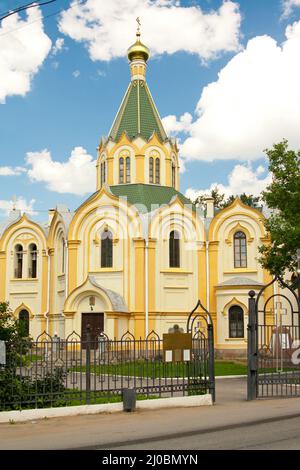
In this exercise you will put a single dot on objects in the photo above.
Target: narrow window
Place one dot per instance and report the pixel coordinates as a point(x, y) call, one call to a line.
point(157, 171)
point(127, 169)
point(151, 170)
point(18, 261)
point(174, 249)
point(63, 256)
point(240, 250)
point(173, 176)
point(32, 262)
point(106, 249)
point(121, 170)
point(103, 173)
point(236, 322)
point(24, 322)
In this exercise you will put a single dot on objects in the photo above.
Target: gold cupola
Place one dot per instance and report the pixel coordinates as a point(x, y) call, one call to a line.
point(138, 54)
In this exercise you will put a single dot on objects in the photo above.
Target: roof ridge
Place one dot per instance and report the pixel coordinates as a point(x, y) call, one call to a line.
point(138, 114)
point(163, 132)
point(120, 112)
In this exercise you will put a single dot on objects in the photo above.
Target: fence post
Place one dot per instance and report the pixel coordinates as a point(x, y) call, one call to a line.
point(252, 353)
point(88, 366)
point(211, 361)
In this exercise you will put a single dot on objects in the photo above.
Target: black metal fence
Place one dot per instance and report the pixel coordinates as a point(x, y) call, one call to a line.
point(51, 372)
point(273, 344)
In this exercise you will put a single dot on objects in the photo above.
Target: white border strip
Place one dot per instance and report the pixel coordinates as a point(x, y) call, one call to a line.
point(32, 415)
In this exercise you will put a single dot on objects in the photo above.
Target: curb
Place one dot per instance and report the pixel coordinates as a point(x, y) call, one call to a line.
point(42, 413)
point(218, 377)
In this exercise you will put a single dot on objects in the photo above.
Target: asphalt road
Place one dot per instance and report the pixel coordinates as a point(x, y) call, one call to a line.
point(283, 434)
point(233, 423)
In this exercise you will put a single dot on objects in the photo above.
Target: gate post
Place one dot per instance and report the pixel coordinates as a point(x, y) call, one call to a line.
point(252, 353)
point(88, 366)
point(211, 361)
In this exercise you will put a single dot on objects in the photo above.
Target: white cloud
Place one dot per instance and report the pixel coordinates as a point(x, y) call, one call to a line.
point(107, 27)
point(75, 176)
point(101, 73)
point(76, 73)
point(23, 49)
point(55, 64)
point(242, 179)
point(21, 204)
point(11, 171)
point(174, 127)
point(289, 5)
point(58, 46)
point(254, 103)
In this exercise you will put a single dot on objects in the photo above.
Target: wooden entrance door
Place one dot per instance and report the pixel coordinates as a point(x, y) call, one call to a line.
point(96, 322)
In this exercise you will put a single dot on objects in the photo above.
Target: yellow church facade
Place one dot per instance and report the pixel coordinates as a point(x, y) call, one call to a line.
point(137, 254)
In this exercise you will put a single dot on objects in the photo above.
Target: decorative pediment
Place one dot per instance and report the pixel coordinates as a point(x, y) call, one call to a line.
point(238, 227)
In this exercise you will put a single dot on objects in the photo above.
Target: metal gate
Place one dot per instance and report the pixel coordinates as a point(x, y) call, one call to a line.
point(273, 342)
point(201, 326)
point(51, 372)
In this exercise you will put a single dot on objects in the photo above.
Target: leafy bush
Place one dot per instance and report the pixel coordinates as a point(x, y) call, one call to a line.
point(12, 332)
point(16, 390)
point(19, 392)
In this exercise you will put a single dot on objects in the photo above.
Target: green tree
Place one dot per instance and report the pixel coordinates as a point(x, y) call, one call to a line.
point(11, 331)
point(18, 390)
point(283, 196)
point(220, 202)
point(10, 328)
point(248, 199)
point(215, 194)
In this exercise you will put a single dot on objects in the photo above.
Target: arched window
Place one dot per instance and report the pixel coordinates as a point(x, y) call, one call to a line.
point(236, 322)
point(157, 171)
point(240, 250)
point(174, 249)
point(151, 170)
point(121, 170)
point(127, 169)
point(173, 176)
point(19, 261)
point(106, 249)
point(24, 322)
point(32, 261)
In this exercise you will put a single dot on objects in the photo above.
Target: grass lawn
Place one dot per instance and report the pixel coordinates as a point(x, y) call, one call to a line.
point(230, 368)
point(160, 369)
point(96, 400)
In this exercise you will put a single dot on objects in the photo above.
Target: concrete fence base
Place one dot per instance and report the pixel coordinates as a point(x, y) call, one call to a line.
point(42, 413)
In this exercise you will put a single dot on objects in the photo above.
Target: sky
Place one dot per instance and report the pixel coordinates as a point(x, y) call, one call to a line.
point(224, 75)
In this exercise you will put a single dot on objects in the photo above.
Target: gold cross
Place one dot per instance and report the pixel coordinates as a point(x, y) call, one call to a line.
point(139, 23)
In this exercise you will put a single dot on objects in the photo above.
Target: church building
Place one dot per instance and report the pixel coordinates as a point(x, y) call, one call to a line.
point(137, 254)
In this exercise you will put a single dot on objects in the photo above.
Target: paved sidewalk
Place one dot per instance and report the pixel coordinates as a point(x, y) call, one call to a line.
point(231, 411)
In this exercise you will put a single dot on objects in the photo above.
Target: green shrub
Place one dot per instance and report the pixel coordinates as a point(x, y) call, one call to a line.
point(19, 392)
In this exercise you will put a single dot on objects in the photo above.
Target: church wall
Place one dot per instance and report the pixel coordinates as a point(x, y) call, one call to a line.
point(155, 151)
point(58, 276)
point(237, 217)
point(121, 220)
point(124, 151)
point(252, 230)
point(173, 292)
point(25, 293)
point(176, 289)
